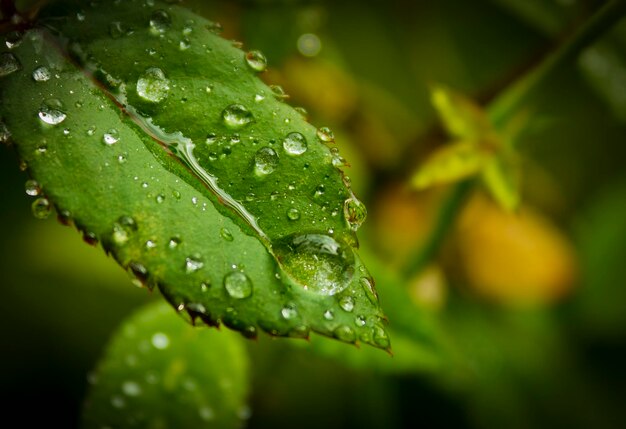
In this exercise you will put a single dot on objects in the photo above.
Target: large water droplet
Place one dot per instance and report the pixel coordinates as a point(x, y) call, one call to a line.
point(32, 188)
point(256, 60)
point(153, 86)
point(354, 212)
point(111, 137)
point(160, 21)
point(41, 74)
point(8, 64)
point(317, 262)
point(41, 208)
point(295, 144)
point(326, 135)
point(51, 112)
point(238, 285)
point(236, 116)
point(265, 161)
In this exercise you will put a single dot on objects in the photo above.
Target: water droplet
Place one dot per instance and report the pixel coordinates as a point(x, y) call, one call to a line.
point(117, 29)
point(153, 86)
point(326, 135)
point(238, 285)
point(347, 303)
point(295, 144)
point(259, 97)
point(355, 212)
point(329, 315)
point(41, 74)
point(289, 311)
point(370, 291)
point(41, 208)
point(32, 188)
point(279, 92)
point(160, 21)
point(14, 39)
point(256, 60)
point(345, 333)
point(51, 112)
point(184, 44)
point(160, 341)
point(303, 112)
point(360, 321)
point(140, 272)
point(236, 116)
point(265, 161)
point(319, 191)
point(337, 160)
point(111, 137)
point(193, 264)
point(211, 138)
point(160, 198)
point(226, 234)
point(293, 214)
point(381, 339)
point(317, 262)
point(91, 130)
point(131, 388)
point(150, 244)
point(174, 242)
point(214, 27)
point(8, 64)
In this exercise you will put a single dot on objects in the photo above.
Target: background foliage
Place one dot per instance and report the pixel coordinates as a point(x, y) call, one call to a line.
point(519, 322)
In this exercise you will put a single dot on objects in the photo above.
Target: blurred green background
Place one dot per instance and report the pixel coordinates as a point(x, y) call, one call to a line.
point(530, 308)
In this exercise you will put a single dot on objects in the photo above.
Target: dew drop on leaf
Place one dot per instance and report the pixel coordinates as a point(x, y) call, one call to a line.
point(51, 112)
point(41, 74)
point(295, 144)
point(256, 60)
point(329, 315)
point(41, 208)
point(345, 333)
point(265, 161)
point(32, 188)
point(236, 116)
point(381, 339)
point(111, 137)
point(8, 64)
point(153, 86)
point(238, 285)
point(354, 212)
point(289, 311)
point(326, 135)
point(160, 21)
point(347, 303)
point(293, 214)
point(193, 264)
point(226, 234)
point(360, 321)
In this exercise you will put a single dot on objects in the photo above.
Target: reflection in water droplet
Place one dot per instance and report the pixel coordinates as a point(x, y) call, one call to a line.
point(160, 21)
point(51, 112)
point(256, 60)
point(354, 212)
point(41, 74)
point(265, 161)
point(160, 341)
point(326, 135)
point(8, 64)
point(153, 86)
point(295, 144)
point(345, 333)
point(236, 116)
point(317, 262)
point(238, 285)
point(32, 188)
point(347, 303)
point(111, 137)
point(41, 208)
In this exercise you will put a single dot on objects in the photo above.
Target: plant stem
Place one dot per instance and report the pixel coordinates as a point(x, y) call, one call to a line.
point(509, 101)
point(502, 109)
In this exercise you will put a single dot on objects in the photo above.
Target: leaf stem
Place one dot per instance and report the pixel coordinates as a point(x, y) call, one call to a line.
point(502, 109)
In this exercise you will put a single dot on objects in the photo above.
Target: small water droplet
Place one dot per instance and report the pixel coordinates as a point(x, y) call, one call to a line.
point(184, 44)
point(293, 214)
point(329, 315)
point(51, 112)
point(381, 339)
point(91, 130)
point(295, 144)
point(303, 112)
point(370, 290)
point(14, 39)
point(345, 333)
point(265, 161)
point(8, 64)
point(360, 321)
point(256, 60)
point(153, 86)
point(279, 92)
point(226, 234)
point(259, 97)
point(131, 388)
point(238, 285)
point(319, 191)
point(41, 74)
point(111, 137)
point(354, 212)
point(32, 188)
point(347, 303)
point(41, 208)
point(211, 138)
point(214, 27)
point(160, 198)
point(160, 341)
point(289, 311)
point(236, 116)
point(326, 135)
point(150, 244)
point(193, 264)
point(160, 21)
point(174, 242)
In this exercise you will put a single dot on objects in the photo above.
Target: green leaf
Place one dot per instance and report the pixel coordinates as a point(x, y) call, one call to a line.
point(158, 139)
point(450, 163)
point(159, 372)
point(462, 118)
point(502, 178)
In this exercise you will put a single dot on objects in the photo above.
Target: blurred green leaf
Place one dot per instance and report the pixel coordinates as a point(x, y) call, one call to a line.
point(461, 117)
point(502, 179)
point(184, 173)
point(159, 372)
